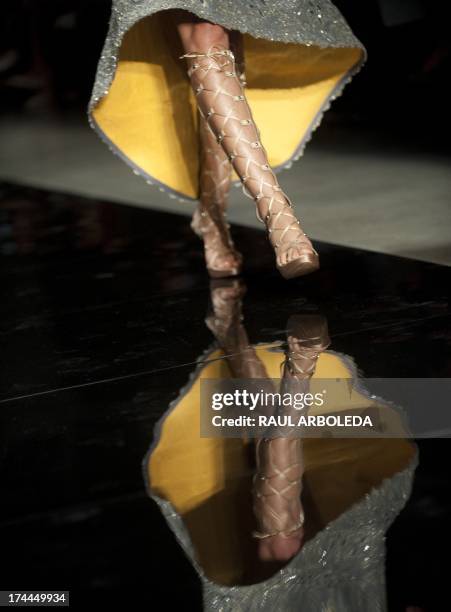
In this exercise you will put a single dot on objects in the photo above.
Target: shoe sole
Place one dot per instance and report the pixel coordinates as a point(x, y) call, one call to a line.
point(299, 267)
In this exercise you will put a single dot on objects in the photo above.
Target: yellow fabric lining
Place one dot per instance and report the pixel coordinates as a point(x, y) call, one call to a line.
point(150, 114)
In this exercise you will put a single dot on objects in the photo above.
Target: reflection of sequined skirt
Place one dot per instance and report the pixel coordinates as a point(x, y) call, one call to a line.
point(356, 488)
point(298, 54)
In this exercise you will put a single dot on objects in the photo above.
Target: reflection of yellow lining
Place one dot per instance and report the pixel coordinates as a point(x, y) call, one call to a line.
point(149, 114)
point(208, 480)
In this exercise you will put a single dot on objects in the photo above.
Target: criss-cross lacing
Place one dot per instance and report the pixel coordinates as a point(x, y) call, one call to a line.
point(223, 105)
point(209, 220)
point(277, 485)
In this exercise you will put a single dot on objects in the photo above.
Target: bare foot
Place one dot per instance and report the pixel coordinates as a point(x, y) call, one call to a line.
point(279, 548)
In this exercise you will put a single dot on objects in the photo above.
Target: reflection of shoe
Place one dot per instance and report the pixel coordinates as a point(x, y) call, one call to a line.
point(222, 103)
point(225, 309)
point(277, 490)
point(225, 321)
point(277, 483)
point(308, 337)
point(209, 223)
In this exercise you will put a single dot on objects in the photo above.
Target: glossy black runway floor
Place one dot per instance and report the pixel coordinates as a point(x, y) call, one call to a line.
point(102, 322)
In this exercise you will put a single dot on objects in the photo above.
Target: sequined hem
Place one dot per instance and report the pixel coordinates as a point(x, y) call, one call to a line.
point(349, 551)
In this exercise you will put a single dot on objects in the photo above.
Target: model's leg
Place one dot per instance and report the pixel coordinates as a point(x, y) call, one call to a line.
point(222, 102)
point(209, 221)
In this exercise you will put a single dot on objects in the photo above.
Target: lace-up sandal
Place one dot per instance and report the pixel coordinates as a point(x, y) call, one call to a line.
point(277, 488)
point(222, 103)
point(209, 221)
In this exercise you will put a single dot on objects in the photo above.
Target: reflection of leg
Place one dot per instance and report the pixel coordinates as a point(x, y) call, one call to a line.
point(209, 222)
point(278, 482)
point(277, 505)
point(221, 100)
point(226, 323)
point(308, 337)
